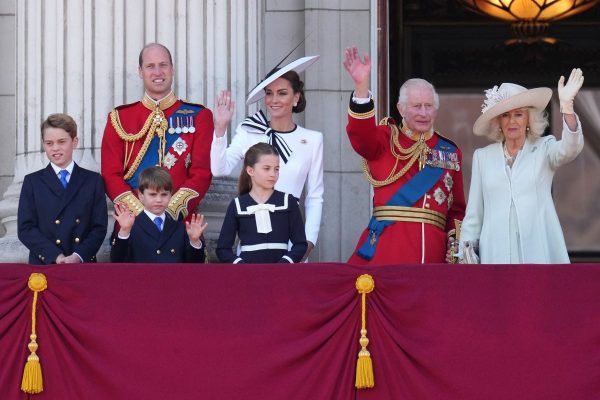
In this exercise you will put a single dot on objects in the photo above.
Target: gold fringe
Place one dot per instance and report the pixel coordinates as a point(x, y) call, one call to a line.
point(364, 366)
point(33, 382)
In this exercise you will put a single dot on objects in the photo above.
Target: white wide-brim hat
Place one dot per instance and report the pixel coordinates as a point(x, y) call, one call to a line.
point(299, 65)
point(509, 96)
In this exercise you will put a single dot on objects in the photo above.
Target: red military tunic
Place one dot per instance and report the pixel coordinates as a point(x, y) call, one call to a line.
point(402, 241)
point(187, 157)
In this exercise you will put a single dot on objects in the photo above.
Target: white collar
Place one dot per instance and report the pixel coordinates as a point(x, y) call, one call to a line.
point(69, 168)
point(152, 216)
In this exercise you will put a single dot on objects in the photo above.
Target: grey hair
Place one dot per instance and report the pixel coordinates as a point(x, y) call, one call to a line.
point(538, 122)
point(413, 83)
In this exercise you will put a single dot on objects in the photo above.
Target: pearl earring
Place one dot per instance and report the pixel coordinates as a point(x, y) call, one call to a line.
point(295, 104)
point(527, 129)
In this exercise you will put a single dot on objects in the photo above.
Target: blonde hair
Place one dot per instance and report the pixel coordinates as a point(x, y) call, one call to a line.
point(538, 122)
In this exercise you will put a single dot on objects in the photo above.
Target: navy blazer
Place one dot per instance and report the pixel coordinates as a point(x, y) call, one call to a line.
point(146, 244)
point(53, 220)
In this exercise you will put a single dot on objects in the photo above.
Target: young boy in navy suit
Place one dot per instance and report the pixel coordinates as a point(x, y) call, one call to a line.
point(62, 214)
point(153, 236)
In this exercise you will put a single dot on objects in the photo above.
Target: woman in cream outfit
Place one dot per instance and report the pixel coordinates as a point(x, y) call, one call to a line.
point(510, 214)
point(300, 149)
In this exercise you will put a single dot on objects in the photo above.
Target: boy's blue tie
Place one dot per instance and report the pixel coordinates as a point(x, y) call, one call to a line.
point(63, 177)
point(158, 222)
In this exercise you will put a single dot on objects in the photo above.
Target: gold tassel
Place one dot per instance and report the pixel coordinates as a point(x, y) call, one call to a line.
point(364, 366)
point(32, 375)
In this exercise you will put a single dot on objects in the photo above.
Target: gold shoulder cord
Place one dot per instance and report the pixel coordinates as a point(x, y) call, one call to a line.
point(418, 151)
point(155, 123)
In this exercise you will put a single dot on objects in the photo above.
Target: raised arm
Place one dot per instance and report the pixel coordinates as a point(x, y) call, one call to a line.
point(359, 70)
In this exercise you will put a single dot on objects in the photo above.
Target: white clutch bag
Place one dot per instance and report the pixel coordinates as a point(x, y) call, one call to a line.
point(468, 252)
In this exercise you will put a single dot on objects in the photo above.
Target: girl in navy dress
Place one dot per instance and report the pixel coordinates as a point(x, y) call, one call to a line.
point(264, 219)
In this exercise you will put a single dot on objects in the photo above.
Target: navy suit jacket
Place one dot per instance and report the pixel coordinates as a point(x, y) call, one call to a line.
point(53, 220)
point(146, 244)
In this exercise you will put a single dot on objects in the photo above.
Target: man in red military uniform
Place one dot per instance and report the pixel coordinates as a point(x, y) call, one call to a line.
point(415, 172)
point(158, 130)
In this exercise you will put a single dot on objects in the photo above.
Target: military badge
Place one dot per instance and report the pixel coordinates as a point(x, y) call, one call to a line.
point(169, 160)
point(448, 181)
point(439, 196)
point(180, 146)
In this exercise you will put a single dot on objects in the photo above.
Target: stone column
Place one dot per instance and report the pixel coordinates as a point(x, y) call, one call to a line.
point(88, 65)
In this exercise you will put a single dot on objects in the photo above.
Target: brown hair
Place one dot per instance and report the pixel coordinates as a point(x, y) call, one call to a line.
point(298, 87)
point(141, 56)
point(61, 121)
point(250, 159)
point(156, 178)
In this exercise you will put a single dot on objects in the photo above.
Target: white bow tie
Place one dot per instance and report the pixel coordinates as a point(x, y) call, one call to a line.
point(262, 217)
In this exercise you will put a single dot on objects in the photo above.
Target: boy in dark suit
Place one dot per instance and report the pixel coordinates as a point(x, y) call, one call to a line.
point(153, 236)
point(62, 215)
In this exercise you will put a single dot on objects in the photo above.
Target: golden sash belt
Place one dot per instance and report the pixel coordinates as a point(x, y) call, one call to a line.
point(410, 214)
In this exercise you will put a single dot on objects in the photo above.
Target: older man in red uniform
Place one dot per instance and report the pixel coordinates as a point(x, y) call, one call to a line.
point(415, 172)
point(158, 130)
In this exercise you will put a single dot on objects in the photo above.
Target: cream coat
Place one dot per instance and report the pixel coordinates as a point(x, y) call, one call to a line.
point(488, 208)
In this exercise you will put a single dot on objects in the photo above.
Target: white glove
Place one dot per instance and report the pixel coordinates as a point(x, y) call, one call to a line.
point(567, 93)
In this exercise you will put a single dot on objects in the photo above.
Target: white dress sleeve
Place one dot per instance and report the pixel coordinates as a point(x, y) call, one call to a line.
point(472, 223)
point(313, 202)
point(224, 159)
point(561, 152)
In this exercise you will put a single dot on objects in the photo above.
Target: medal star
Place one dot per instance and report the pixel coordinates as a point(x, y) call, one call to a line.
point(448, 181)
point(169, 160)
point(439, 196)
point(180, 146)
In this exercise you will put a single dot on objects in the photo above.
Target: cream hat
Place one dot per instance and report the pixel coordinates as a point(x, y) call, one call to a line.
point(509, 96)
point(299, 65)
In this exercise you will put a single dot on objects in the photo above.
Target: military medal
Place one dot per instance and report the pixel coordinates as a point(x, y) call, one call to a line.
point(185, 128)
point(178, 129)
point(171, 128)
point(192, 129)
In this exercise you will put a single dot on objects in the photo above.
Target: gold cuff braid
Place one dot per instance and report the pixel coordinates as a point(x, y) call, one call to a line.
point(131, 201)
point(179, 202)
point(365, 115)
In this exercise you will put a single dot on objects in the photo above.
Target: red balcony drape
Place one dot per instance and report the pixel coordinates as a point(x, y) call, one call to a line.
point(125, 331)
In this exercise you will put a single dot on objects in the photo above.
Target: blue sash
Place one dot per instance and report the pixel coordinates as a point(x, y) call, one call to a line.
point(406, 196)
point(150, 159)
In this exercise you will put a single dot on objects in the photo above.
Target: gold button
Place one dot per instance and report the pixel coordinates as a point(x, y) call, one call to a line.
point(157, 251)
point(57, 241)
point(172, 251)
point(43, 258)
point(77, 221)
point(57, 221)
point(76, 240)
point(40, 256)
point(428, 196)
point(426, 205)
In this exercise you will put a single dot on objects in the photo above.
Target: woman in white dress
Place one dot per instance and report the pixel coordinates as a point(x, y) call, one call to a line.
point(300, 149)
point(510, 215)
